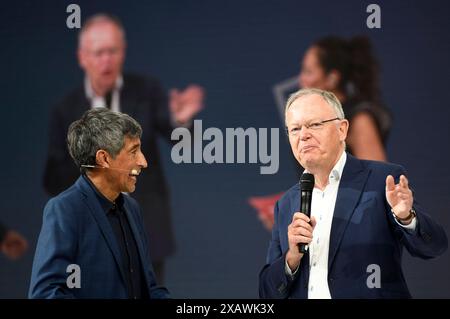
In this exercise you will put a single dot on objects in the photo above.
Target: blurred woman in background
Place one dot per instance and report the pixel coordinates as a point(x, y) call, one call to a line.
point(349, 69)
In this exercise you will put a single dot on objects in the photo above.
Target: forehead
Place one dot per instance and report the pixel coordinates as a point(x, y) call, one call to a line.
point(311, 55)
point(101, 33)
point(131, 142)
point(309, 108)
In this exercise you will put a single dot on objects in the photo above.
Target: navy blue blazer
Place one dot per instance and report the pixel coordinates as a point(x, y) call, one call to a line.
point(76, 230)
point(363, 232)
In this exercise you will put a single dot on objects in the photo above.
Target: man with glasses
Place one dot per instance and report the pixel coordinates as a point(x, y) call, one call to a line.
point(363, 214)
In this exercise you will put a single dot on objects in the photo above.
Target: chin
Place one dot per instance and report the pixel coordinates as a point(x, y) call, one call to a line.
point(309, 162)
point(307, 158)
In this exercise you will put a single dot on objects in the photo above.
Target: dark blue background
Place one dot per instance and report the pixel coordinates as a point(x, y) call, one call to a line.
point(237, 50)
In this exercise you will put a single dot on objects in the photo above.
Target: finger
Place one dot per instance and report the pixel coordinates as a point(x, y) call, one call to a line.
point(298, 239)
point(301, 224)
point(403, 181)
point(301, 232)
point(390, 184)
point(305, 232)
point(299, 215)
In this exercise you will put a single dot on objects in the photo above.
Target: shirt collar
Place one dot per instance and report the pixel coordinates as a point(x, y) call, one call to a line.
point(336, 172)
point(106, 204)
point(90, 92)
point(338, 168)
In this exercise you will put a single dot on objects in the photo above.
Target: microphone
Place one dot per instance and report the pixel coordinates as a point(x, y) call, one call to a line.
point(306, 188)
point(133, 172)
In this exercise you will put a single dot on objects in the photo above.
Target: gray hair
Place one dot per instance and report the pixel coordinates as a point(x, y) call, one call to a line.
point(99, 18)
point(329, 97)
point(99, 129)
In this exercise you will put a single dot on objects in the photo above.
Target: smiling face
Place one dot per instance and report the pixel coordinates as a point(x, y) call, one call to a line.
point(125, 167)
point(316, 149)
point(101, 54)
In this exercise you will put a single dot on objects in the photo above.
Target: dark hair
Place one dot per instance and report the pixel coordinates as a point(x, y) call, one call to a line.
point(97, 129)
point(355, 62)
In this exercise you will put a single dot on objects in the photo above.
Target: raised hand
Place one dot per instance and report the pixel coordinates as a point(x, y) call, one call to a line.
point(399, 196)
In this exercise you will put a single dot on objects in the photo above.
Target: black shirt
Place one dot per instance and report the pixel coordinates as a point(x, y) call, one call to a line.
point(131, 262)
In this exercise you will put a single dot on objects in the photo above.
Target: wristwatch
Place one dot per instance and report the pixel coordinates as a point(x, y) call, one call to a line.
point(412, 214)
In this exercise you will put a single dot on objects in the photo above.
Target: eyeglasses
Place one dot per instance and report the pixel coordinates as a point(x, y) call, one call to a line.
point(315, 126)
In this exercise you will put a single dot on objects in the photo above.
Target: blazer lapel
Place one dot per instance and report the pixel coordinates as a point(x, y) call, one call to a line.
point(353, 180)
point(102, 221)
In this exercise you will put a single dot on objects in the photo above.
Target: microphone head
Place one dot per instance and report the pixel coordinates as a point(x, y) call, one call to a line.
point(307, 182)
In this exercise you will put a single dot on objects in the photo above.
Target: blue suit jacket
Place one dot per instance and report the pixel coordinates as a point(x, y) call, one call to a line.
point(363, 232)
point(76, 230)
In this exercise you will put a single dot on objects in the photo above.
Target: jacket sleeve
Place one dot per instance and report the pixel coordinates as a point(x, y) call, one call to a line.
point(274, 283)
point(56, 249)
point(60, 171)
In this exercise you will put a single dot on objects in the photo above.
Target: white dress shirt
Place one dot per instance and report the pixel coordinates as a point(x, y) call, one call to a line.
point(99, 101)
point(322, 208)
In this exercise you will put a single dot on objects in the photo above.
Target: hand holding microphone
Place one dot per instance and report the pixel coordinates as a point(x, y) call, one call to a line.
point(300, 231)
point(306, 188)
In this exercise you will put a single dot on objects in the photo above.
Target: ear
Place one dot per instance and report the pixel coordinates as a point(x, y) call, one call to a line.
point(102, 158)
point(343, 129)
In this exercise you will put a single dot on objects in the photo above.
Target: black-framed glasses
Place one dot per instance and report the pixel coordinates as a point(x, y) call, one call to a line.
point(315, 126)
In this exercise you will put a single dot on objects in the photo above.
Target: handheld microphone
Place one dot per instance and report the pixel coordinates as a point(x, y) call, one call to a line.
point(133, 172)
point(306, 189)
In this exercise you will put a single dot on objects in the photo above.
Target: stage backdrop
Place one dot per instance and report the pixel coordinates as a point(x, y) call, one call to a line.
point(237, 50)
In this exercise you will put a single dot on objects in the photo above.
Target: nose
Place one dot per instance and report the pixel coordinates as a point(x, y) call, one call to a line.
point(305, 134)
point(142, 162)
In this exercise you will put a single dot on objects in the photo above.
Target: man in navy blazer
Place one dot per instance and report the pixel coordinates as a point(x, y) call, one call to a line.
point(360, 218)
point(92, 242)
